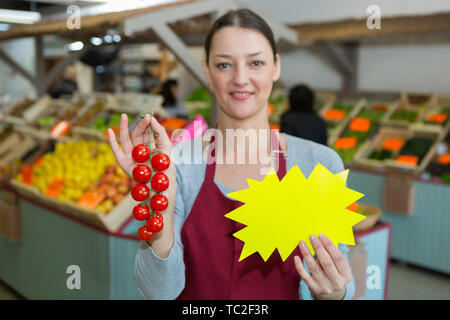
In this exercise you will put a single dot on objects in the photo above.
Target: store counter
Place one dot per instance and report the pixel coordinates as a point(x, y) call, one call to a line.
point(55, 248)
point(420, 236)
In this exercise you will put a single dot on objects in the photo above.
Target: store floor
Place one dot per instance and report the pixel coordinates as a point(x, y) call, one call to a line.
point(405, 282)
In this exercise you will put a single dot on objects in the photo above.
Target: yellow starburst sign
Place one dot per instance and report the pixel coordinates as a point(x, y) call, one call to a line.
point(278, 214)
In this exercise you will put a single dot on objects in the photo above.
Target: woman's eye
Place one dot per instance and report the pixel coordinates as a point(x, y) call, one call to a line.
point(257, 63)
point(223, 65)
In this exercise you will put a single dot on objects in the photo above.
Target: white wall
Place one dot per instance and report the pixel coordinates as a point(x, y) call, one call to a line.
point(418, 68)
point(302, 11)
point(11, 82)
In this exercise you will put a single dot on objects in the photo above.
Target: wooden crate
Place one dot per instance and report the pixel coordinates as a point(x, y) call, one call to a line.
point(328, 98)
point(416, 102)
point(12, 150)
point(112, 221)
point(436, 103)
point(334, 133)
point(84, 132)
point(13, 112)
point(392, 165)
point(362, 156)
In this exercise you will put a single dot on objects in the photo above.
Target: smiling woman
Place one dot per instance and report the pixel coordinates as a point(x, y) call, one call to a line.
point(195, 256)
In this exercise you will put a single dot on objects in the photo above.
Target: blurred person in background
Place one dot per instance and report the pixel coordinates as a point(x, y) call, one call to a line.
point(172, 104)
point(301, 120)
point(68, 84)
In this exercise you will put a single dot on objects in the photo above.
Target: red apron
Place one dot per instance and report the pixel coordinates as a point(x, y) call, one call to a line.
point(211, 253)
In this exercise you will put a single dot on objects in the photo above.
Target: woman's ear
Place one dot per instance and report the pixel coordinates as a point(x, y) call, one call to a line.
point(277, 68)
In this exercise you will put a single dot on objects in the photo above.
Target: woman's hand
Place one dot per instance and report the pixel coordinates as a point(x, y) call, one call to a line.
point(162, 241)
point(140, 135)
point(329, 272)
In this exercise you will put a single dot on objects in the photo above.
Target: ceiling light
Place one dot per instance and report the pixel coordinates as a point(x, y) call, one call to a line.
point(96, 41)
point(117, 38)
point(108, 38)
point(75, 46)
point(17, 16)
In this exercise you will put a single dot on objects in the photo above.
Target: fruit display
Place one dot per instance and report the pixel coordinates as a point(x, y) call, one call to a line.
point(336, 114)
point(73, 168)
point(357, 132)
point(159, 182)
point(414, 150)
point(439, 117)
point(440, 166)
point(199, 102)
point(405, 115)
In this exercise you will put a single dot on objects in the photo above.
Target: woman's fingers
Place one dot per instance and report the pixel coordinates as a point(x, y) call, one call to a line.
point(162, 141)
point(338, 258)
point(326, 262)
point(312, 285)
point(124, 134)
point(118, 153)
point(315, 269)
point(138, 134)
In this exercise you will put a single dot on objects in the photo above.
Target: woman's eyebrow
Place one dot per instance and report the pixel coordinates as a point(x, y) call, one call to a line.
point(229, 56)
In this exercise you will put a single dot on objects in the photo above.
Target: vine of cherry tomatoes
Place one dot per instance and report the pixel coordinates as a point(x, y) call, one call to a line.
point(159, 182)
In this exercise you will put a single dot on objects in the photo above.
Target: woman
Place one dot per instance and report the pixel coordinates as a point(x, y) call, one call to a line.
point(195, 256)
point(171, 103)
point(301, 120)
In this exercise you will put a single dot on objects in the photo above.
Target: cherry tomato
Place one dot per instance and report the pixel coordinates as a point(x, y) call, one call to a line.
point(141, 212)
point(140, 153)
point(140, 192)
point(155, 224)
point(157, 215)
point(159, 202)
point(142, 173)
point(144, 233)
point(160, 182)
point(160, 161)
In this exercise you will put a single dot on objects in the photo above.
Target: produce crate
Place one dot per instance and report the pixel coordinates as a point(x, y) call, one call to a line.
point(139, 102)
point(362, 158)
point(279, 104)
point(424, 142)
point(435, 116)
point(13, 112)
point(409, 109)
point(362, 127)
point(111, 221)
point(324, 99)
point(351, 109)
point(439, 166)
point(13, 149)
point(96, 128)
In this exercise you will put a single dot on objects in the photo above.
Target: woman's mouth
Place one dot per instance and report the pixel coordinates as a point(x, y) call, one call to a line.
point(241, 95)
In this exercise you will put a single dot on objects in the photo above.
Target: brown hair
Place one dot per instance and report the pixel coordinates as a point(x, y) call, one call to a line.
point(242, 18)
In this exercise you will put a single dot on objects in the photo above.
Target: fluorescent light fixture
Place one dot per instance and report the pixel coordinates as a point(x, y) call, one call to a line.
point(4, 26)
point(117, 38)
point(75, 46)
point(96, 41)
point(18, 16)
point(108, 38)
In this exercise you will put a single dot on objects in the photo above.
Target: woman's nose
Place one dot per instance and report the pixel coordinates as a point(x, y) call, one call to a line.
point(241, 76)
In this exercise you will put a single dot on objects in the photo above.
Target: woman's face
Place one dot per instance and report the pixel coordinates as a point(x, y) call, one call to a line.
point(242, 70)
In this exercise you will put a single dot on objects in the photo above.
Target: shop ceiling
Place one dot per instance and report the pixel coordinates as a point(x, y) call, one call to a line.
point(180, 23)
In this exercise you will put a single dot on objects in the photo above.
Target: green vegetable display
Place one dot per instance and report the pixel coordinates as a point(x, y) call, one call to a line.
point(103, 123)
point(372, 115)
point(199, 95)
point(416, 147)
point(406, 115)
point(381, 155)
